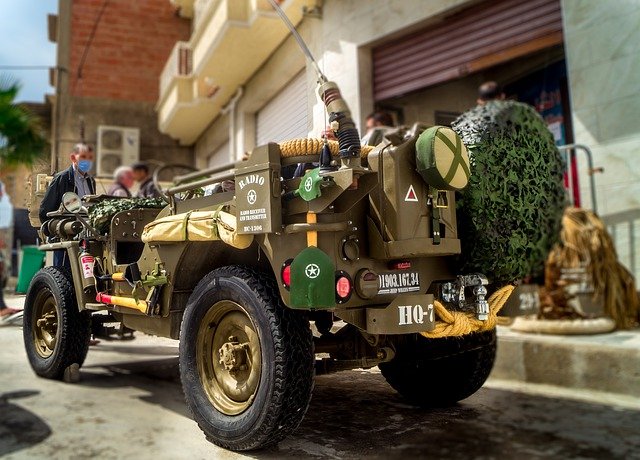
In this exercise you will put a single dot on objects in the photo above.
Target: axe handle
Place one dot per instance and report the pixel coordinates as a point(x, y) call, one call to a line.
point(312, 236)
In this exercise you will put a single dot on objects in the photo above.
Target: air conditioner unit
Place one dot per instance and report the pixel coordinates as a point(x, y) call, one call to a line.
point(117, 146)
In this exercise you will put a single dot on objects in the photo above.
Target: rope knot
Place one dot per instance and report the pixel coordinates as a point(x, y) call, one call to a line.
point(457, 323)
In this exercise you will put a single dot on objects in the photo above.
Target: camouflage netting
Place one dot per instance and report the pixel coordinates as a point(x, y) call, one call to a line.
point(509, 214)
point(100, 214)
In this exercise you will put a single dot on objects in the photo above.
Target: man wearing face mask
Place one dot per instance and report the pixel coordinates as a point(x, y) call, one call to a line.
point(74, 179)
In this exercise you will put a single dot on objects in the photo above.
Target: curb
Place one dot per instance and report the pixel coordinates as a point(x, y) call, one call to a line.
point(605, 362)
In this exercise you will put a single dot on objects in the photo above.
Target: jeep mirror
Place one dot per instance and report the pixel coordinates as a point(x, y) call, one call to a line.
point(71, 202)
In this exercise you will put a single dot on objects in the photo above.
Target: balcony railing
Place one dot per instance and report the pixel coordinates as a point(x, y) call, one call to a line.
point(178, 64)
point(201, 10)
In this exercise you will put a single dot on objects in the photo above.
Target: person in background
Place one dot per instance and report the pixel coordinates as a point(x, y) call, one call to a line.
point(378, 119)
point(489, 91)
point(141, 175)
point(377, 124)
point(74, 179)
point(122, 182)
point(5, 311)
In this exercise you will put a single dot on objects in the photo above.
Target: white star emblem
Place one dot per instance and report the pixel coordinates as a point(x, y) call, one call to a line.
point(312, 271)
point(308, 184)
point(252, 196)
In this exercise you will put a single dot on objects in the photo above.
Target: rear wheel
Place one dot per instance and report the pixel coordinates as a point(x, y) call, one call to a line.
point(56, 335)
point(246, 361)
point(440, 372)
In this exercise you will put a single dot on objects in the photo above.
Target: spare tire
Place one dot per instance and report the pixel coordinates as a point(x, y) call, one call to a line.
point(509, 214)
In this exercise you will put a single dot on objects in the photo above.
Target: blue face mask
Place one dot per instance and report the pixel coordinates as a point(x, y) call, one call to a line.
point(85, 165)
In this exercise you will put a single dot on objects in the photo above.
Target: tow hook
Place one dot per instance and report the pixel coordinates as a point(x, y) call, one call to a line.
point(454, 292)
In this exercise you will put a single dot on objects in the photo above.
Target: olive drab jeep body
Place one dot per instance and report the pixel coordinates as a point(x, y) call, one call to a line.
point(280, 276)
point(367, 245)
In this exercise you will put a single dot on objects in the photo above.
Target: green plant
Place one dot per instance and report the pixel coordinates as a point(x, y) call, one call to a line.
point(22, 139)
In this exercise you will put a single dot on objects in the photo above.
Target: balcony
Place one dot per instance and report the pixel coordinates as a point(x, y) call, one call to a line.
point(177, 90)
point(231, 39)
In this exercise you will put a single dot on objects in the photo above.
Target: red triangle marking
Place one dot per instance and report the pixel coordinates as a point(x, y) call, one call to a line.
point(411, 194)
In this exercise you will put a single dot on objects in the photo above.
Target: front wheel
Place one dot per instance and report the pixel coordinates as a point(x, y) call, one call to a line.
point(56, 335)
point(246, 361)
point(441, 372)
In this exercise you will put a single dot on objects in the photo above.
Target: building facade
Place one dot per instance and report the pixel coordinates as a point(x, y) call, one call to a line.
point(109, 56)
point(240, 80)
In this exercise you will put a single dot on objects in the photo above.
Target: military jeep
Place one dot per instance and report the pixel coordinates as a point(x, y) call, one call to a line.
point(340, 266)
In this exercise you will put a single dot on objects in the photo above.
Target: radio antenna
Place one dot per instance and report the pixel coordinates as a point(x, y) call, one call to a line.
point(301, 43)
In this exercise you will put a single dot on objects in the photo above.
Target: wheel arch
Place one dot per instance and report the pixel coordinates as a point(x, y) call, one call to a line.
point(199, 259)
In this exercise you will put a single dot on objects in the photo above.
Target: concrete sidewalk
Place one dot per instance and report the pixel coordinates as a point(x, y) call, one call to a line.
point(608, 363)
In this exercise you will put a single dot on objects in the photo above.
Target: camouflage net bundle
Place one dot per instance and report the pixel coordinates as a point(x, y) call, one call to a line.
point(100, 214)
point(509, 214)
point(586, 242)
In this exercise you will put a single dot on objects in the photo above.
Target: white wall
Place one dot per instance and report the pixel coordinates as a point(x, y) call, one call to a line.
point(602, 45)
point(349, 28)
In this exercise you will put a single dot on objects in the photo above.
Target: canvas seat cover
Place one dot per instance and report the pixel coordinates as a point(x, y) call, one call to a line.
point(196, 226)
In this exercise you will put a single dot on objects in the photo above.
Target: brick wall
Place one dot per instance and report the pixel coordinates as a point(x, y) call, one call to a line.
point(130, 47)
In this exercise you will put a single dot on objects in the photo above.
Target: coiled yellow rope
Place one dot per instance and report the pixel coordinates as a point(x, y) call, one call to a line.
point(309, 146)
point(457, 323)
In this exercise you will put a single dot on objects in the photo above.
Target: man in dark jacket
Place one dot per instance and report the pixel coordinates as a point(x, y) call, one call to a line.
point(147, 188)
point(74, 179)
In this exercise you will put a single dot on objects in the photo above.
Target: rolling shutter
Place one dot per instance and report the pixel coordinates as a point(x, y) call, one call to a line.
point(473, 39)
point(286, 115)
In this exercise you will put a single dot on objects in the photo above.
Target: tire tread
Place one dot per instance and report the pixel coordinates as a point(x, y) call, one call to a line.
point(75, 333)
point(294, 362)
point(441, 372)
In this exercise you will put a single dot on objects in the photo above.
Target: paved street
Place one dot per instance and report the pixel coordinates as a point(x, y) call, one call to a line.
point(129, 404)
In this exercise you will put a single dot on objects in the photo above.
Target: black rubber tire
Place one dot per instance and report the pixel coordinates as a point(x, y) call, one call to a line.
point(287, 373)
point(74, 327)
point(441, 372)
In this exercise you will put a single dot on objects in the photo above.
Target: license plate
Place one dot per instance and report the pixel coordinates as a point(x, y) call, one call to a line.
point(398, 282)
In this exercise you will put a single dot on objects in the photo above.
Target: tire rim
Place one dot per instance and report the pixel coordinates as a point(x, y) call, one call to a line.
point(229, 357)
point(44, 320)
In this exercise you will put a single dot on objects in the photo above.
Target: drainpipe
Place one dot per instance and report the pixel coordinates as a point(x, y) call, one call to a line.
point(230, 109)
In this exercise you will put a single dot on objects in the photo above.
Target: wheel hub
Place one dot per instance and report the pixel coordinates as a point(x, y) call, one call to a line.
point(229, 357)
point(233, 355)
point(45, 318)
point(48, 325)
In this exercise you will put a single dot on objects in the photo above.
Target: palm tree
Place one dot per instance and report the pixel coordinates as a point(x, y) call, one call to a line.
point(21, 137)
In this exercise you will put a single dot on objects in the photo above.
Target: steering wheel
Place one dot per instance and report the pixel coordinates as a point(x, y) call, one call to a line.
point(169, 166)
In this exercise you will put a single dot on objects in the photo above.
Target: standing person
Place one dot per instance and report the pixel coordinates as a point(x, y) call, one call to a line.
point(489, 91)
point(377, 124)
point(5, 311)
point(122, 182)
point(379, 119)
point(141, 175)
point(6, 213)
point(74, 179)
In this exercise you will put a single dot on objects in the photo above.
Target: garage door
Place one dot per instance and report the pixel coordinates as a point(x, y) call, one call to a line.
point(473, 39)
point(286, 115)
